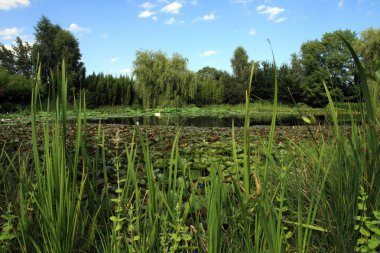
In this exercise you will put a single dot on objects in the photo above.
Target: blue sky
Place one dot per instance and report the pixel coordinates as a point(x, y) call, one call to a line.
point(205, 32)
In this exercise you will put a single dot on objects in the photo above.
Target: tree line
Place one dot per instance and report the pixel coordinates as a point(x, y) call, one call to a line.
point(161, 81)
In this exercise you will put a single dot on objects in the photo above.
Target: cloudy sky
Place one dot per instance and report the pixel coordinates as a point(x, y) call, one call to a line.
point(206, 32)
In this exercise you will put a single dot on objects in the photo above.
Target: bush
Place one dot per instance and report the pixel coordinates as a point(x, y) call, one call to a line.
point(14, 89)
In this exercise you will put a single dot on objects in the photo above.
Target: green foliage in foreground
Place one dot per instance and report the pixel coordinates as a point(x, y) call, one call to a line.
point(311, 197)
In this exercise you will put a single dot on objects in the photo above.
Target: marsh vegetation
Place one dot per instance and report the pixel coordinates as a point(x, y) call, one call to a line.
point(69, 184)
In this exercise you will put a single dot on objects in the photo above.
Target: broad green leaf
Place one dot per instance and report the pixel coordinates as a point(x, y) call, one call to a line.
point(365, 232)
point(377, 214)
point(6, 237)
point(373, 226)
point(306, 120)
point(373, 243)
point(362, 241)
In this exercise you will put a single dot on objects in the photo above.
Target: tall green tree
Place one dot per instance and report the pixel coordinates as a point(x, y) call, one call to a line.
point(340, 64)
point(67, 48)
point(329, 60)
point(53, 44)
point(240, 69)
point(22, 52)
point(209, 73)
point(297, 73)
point(43, 49)
point(315, 73)
point(210, 86)
point(263, 85)
point(368, 46)
point(7, 60)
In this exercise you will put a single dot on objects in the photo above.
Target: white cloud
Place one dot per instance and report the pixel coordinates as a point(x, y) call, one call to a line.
point(75, 28)
point(252, 32)
point(261, 7)
point(208, 53)
point(208, 17)
point(9, 4)
point(340, 3)
point(10, 33)
point(147, 5)
point(146, 14)
point(154, 18)
point(279, 20)
point(172, 8)
point(272, 12)
point(114, 60)
point(170, 21)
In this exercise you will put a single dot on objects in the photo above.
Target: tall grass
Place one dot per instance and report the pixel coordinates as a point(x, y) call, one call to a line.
point(301, 198)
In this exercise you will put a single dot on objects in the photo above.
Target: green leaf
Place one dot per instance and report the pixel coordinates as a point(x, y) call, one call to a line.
point(175, 237)
point(377, 74)
point(365, 232)
point(373, 226)
point(118, 227)
point(362, 207)
point(186, 237)
point(119, 190)
point(306, 120)
point(6, 237)
point(136, 238)
point(283, 209)
point(373, 243)
point(289, 235)
point(377, 214)
point(115, 219)
point(117, 200)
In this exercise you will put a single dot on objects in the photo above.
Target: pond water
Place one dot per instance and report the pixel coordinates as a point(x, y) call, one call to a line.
point(206, 121)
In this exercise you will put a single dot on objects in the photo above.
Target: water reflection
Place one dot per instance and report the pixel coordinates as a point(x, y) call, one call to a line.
point(206, 121)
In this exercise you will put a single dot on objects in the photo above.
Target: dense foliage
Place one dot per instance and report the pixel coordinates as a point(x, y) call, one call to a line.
point(162, 81)
point(108, 90)
point(54, 44)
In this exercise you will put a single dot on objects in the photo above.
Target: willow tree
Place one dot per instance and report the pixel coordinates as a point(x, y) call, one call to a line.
point(162, 81)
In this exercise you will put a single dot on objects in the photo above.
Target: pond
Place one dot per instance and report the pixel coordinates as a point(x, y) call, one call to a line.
point(207, 121)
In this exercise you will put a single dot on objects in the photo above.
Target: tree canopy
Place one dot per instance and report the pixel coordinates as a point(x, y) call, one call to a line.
point(54, 44)
point(160, 81)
